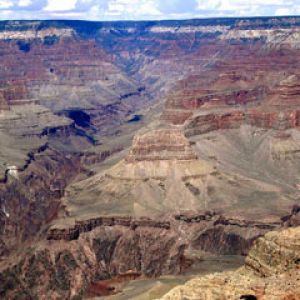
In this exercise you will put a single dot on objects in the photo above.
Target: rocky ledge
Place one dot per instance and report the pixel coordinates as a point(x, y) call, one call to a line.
point(63, 270)
point(74, 232)
point(161, 144)
point(271, 272)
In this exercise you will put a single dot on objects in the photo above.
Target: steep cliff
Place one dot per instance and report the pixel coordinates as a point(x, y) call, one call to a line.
point(271, 272)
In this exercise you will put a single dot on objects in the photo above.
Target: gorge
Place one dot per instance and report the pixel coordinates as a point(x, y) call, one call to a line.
point(131, 151)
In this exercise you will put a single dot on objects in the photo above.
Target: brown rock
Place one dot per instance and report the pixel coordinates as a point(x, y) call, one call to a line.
point(271, 273)
point(161, 144)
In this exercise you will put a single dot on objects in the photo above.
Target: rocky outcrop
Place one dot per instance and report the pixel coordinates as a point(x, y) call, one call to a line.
point(33, 199)
point(91, 158)
point(293, 219)
point(275, 253)
point(209, 231)
point(143, 247)
point(161, 144)
point(228, 105)
point(68, 270)
point(271, 272)
point(163, 173)
point(73, 233)
point(215, 233)
point(234, 119)
point(104, 249)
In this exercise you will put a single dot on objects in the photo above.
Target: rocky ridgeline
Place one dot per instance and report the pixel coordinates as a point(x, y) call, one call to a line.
point(241, 86)
point(31, 157)
point(90, 158)
point(161, 144)
point(209, 228)
point(238, 73)
point(235, 118)
point(222, 220)
point(73, 233)
point(220, 234)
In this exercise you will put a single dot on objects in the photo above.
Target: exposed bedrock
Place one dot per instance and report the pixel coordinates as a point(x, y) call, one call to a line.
point(66, 269)
point(164, 172)
point(284, 249)
point(228, 105)
point(271, 272)
point(31, 199)
point(109, 247)
point(74, 232)
point(234, 119)
point(208, 231)
point(161, 144)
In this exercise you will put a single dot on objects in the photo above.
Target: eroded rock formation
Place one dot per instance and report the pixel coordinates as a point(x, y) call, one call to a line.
point(66, 269)
point(161, 144)
point(271, 272)
point(108, 248)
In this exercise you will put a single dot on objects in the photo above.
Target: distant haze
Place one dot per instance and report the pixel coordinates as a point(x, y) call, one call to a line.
point(143, 9)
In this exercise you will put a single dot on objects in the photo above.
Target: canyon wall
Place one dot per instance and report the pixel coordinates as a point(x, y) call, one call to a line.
point(271, 272)
point(108, 249)
point(220, 103)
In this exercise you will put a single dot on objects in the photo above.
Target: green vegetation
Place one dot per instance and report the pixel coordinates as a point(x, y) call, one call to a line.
point(24, 46)
point(50, 40)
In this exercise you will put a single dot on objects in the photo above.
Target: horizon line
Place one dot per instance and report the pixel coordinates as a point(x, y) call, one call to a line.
point(153, 20)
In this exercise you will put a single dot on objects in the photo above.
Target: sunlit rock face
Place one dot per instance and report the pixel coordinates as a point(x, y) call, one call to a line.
point(228, 104)
point(271, 272)
point(163, 144)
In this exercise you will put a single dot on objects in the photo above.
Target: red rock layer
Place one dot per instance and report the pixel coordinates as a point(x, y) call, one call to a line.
point(161, 144)
point(235, 118)
point(69, 61)
point(241, 83)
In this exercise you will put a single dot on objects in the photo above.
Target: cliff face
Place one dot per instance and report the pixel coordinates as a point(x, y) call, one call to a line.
point(165, 172)
point(269, 273)
point(31, 198)
point(232, 100)
point(108, 71)
point(96, 254)
point(66, 269)
point(163, 144)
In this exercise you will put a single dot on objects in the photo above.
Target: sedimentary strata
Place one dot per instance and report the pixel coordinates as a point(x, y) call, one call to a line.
point(271, 272)
point(161, 144)
point(73, 233)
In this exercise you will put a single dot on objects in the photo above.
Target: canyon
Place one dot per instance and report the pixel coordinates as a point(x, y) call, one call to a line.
point(136, 150)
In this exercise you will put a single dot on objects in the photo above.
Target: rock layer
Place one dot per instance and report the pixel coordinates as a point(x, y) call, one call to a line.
point(162, 144)
point(64, 267)
point(271, 272)
point(66, 270)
